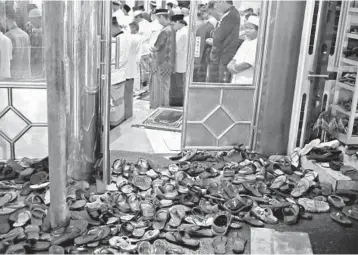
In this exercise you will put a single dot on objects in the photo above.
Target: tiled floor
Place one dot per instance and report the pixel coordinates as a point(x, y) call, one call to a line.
point(128, 138)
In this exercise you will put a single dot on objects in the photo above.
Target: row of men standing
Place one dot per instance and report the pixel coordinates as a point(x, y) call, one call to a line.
point(155, 46)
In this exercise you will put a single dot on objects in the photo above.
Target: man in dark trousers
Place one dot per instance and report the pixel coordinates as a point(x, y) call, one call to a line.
point(225, 42)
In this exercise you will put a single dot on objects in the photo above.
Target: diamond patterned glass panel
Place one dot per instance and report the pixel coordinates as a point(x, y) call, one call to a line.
point(202, 102)
point(4, 149)
point(3, 99)
point(240, 133)
point(11, 124)
point(198, 135)
point(33, 144)
point(219, 122)
point(32, 103)
point(239, 103)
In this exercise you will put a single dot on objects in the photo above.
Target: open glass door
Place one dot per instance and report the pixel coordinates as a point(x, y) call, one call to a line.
point(321, 42)
point(222, 81)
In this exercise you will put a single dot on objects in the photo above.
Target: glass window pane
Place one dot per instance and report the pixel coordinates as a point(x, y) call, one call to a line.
point(12, 124)
point(21, 40)
point(32, 103)
point(226, 42)
point(33, 144)
point(3, 99)
point(4, 149)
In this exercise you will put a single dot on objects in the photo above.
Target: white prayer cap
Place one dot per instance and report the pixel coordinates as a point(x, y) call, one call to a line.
point(174, 2)
point(254, 20)
point(35, 13)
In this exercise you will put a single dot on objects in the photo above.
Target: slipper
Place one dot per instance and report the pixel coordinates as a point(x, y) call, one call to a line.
point(4, 225)
point(6, 198)
point(313, 206)
point(179, 239)
point(83, 215)
point(252, 189)
point(252, 221)
point(238, 179)
point(239, 243)
point(302, 186)
point(145, 248)
point(229, 189)
point(188, 155)
point(39, 178)
point(290, 214)
point(169, 191)
point(122, 242)
point(37, 215)
point(336, 201)
point(341, 218)
point(75, 229)
point(207, 207)
point(133, 202)
point(22, 218)
point(219, 244)
point(56, 249)
point(148, 210)
point(121, 181)
point(308, 147)
point(126, 189)
point(150, 235)
point(142, 182)
point(278, 182)
point(118, 165)
point(159, 247)
point(237, 204)
point(8, 174)
point(264, 214)
point(295, 157)
point(40, 246)
point(16, 249)
point(32, 232)
point(160, 219)
point(138, 232)
point(310, 175)
point(93, 235)
point(221, 223)
point(351, 212)
point(76, 205)
point(27, 172)
point(177, 215)
point(303, 214)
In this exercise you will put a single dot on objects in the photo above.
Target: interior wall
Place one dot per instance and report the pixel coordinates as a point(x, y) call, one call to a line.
point(279, 76)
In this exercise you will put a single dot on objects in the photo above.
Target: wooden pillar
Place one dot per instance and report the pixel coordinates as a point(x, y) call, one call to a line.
point(57, 112)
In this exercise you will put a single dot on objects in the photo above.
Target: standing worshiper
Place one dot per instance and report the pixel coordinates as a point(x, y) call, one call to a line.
point(153, 6)
point(145, 33)
point(155, 28)
point(163, 62)
point(225, 42)
point(185, 11)
point(146, 16)
point(6, 47)
point(118, 76)
point(36, 34)
point(20, 63)
point(133, 76)
point(177, 85)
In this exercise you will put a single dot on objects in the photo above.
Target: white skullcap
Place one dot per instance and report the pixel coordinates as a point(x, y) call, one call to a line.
point(35, 13)
point(254, 20)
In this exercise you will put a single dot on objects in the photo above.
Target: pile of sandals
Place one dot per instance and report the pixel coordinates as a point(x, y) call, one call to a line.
point(151, 209)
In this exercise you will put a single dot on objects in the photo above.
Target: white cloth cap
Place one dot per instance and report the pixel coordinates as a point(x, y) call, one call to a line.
point(174, 2)
point(35, 13)
point(254, 20)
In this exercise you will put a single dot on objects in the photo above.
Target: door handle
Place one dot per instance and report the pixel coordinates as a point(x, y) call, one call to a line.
point(326, 76)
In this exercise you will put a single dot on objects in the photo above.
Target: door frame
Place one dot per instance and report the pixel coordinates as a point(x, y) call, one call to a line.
point(307, 62)
point(259, 70)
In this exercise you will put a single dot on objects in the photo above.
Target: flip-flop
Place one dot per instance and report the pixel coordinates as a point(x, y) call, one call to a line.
point(239, 243)
point(37, 215)
point(308, 147)
point(341, 218)
point(93, 235)
point(40, 245)
point(32, 232)
point(150, 235)
point(336, 201)
point(302, 186)
point(264, 214)
point(39, 186)
point(219, 244)
point(252, 221)
point(160, 219)
point(176, 216)
point(351, 212)
point(278, 182)
point(311, 205)
point(143, 182)
point(170, 192)
point(291, 214)
point(16, 249)
point(159, 247)
point(133, 202)
point(148, 210)
point(22, 218)
point(179, 239)
point(77, 205)
point(122, 242)
point(83, 215)
point(39, 178)
point(221, 223)
point(75, 229)
point(25, 191)
point(145, 248)
point(27, 172)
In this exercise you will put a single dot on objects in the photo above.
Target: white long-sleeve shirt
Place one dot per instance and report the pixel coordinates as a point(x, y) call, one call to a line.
point(5, 56)
point(181, 50)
